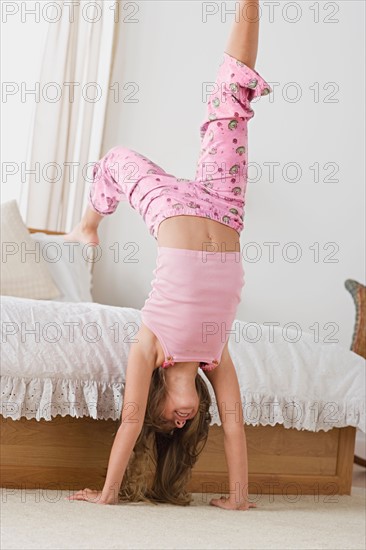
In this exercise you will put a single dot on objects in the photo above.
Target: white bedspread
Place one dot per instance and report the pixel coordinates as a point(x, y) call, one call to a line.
point(71, 358)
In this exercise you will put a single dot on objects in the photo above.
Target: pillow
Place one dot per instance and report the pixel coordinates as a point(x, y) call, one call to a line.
point(69, 265)
point(23, 274)
point(358, 292)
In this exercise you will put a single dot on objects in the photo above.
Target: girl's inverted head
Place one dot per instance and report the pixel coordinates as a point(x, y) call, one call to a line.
point(173, 448)
point(181, 400)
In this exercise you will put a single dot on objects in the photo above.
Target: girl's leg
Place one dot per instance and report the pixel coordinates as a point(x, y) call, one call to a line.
point(222, 167)
point(86, 231)
point(121, 175)
point(105, 193)
point(243, 40)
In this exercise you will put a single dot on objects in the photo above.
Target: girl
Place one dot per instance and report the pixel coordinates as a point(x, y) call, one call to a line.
point(189, 313)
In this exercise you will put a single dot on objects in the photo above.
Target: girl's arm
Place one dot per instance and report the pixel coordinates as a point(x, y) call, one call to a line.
point(225, 383)
point(243, 39)
point(138, 378)
point(140, 366)
point(242, 45)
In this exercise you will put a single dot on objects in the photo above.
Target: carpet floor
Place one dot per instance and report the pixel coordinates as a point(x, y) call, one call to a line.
point(45, 520)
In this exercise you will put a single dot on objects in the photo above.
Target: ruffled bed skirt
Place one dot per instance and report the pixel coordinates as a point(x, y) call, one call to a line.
point(45, 398)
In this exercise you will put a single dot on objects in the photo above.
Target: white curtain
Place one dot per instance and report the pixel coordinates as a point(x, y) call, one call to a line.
point(68, 121)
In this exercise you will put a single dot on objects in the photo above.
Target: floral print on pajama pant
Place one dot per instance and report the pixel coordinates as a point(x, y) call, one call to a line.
point(218, 190)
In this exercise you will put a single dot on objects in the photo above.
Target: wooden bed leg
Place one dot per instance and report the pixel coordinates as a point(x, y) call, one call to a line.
point(346, 449)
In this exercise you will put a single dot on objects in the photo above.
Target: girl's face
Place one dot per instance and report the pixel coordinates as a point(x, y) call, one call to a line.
point(177, 409)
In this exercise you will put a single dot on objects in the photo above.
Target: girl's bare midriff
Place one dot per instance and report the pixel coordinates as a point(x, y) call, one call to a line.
point(196, 233)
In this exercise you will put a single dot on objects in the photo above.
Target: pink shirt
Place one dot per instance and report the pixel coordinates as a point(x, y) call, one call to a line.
point(192, 304)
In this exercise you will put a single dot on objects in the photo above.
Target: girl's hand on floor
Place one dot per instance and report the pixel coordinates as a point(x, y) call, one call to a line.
point(91, 496)
point(227, 504)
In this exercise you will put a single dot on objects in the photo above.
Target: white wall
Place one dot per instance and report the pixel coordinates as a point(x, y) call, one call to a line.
point(168, 53)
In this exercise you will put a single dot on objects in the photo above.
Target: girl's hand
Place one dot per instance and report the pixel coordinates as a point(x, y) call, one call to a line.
point(92, 496)
point(227, 504)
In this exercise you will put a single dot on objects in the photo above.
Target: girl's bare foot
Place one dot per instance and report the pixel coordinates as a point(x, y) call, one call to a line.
point(83, 234)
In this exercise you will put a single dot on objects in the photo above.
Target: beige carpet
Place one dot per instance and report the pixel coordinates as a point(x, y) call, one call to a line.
point(43, 519)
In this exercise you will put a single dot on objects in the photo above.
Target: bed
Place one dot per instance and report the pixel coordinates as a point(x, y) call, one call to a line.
point(298, 443)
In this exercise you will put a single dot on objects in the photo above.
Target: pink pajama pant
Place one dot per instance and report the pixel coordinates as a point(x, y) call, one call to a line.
point(218, 190)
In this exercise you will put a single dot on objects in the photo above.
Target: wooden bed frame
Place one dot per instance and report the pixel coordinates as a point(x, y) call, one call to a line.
point(72, 453)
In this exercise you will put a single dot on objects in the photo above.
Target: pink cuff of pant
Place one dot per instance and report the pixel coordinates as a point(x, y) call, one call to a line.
point(244, 76)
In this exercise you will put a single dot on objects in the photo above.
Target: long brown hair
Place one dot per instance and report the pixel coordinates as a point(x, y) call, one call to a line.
point(174, 451)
